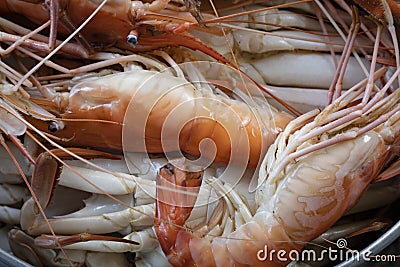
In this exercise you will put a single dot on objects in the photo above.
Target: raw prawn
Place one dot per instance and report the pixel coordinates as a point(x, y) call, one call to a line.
point(160, 112)
point(127, 24)
point(167, 172)
point(314, 172)
point(297, 200)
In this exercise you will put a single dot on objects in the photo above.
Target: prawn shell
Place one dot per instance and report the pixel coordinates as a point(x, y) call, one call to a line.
point(135, 113)
point(113, 17)
point(10, 123)
point(331, 179)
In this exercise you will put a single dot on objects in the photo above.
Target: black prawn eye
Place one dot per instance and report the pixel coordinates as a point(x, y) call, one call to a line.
point(132, 39)
point(170, 168)
point(54, 126)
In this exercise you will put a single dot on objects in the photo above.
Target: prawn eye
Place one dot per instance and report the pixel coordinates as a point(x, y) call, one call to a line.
point(132, 39)
point(170, 168)
point(55, 126)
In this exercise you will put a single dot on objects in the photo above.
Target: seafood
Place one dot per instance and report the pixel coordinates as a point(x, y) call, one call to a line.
point(13, 192)
point(132, 215)
point(314, 172)
point(24, 247)
point(134, 190)
point(283, 47)
point(113, 203)
point(279, 43)
point(127, 24)
point(52, 257)
point(273, 30)
point(135, 100)
point(333, 179)
point(76, 125)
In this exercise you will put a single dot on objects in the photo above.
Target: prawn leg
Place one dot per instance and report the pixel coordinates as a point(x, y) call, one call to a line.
point(376, 8)
point(173, 209)
point(47, 166)
point(392, 171)
point(53, 7)
point(137, 241)
point(46, 241)
point(23, 246)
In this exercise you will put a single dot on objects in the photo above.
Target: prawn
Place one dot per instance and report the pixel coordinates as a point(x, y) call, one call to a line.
point(300, 194)
point(314, 172)
point(82, 125)
point(152, 110)
point(131, 25)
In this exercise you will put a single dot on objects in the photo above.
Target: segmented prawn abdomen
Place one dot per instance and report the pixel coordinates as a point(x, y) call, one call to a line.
point(319, 187)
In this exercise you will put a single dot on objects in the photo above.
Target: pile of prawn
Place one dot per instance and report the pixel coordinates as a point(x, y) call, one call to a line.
point(167, 128)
